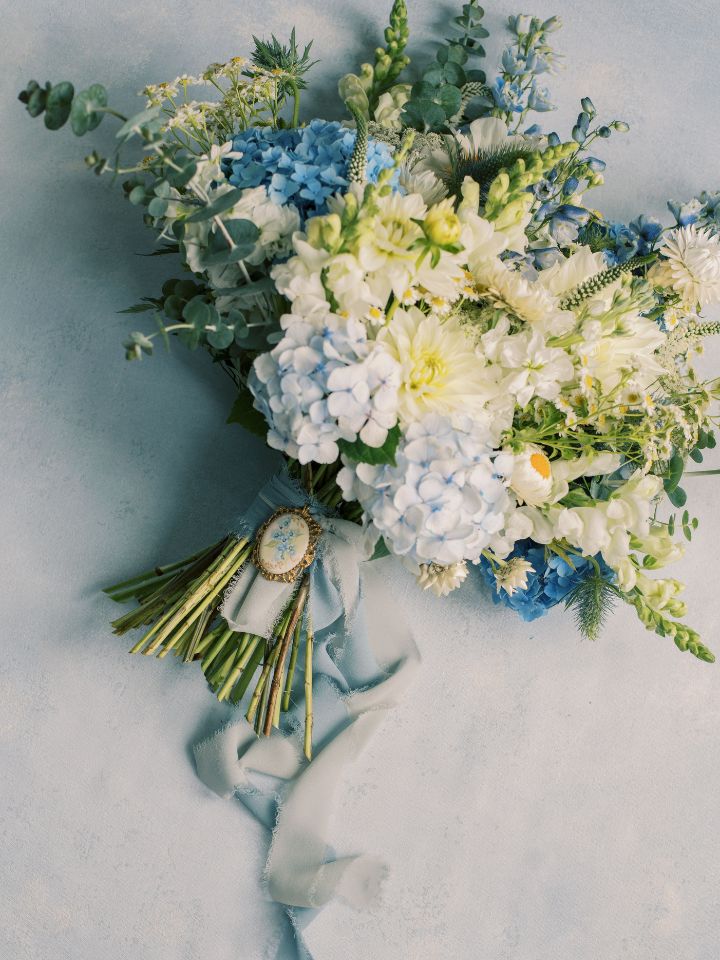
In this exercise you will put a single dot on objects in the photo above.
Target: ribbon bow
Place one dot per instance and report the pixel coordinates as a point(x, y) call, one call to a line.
point(363, 658)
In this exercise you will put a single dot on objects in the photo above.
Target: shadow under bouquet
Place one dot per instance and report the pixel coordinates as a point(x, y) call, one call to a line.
point(462, 363)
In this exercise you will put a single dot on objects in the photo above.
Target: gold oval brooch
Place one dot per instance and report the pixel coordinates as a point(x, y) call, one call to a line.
point(285, 544)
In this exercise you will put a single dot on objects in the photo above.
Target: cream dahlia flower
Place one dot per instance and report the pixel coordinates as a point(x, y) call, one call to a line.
point(440, 370)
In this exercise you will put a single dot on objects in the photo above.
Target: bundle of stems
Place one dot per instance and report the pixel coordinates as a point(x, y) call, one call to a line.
point(179, 605)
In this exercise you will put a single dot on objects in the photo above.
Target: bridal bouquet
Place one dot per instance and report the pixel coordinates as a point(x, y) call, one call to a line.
point(461, 361)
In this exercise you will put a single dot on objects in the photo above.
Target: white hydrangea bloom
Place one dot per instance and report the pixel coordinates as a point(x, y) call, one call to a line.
point(324, 382)
point(444, 501)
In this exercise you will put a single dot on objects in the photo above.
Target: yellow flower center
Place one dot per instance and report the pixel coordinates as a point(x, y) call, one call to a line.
point(540, 463)
point(428, 367)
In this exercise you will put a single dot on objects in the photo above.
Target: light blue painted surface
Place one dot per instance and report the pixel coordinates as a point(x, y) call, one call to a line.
point(565, 792)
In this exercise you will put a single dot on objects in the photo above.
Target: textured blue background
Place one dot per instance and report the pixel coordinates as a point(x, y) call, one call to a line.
point(538, 798)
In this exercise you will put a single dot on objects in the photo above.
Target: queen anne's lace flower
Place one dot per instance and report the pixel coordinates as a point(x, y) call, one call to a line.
point(324, 382)
point(444, 501)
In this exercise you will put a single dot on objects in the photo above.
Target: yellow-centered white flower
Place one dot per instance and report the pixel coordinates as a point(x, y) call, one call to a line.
point(440, 371)
point(531, 478)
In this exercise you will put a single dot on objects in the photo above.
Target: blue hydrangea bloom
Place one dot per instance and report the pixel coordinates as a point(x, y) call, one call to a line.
point(551, 583)
point(302, 166)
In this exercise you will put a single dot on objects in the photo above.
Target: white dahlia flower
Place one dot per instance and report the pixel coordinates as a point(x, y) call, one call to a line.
point(440, 369)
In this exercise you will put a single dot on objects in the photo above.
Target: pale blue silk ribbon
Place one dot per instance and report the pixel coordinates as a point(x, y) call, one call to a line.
point(363, 659)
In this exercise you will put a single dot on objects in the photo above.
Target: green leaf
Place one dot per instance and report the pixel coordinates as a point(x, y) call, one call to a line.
point(198, 313)
point(145, 120)
point(361, 452)
point(223, 203)
point(696, 455)
point(380, 551)
point(221, 337)
point(677, 496)
point(58, 105)
point(180, 178)
point(139, 308)
point(157, 207)
point(86, 109)
point(244, 413)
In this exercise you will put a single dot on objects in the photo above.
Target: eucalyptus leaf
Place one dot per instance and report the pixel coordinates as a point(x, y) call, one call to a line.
point(58, 105)
point(86, 109)
point(218, 206)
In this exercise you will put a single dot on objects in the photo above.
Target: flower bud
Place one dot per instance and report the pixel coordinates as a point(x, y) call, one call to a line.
point(441, 224)
point(324, 233)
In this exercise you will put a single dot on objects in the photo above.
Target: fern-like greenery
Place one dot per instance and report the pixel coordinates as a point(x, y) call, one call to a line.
point(483, 166)
point(591, 602)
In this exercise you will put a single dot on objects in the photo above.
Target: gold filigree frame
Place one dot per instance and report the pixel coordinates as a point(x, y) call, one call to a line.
point(314, 534)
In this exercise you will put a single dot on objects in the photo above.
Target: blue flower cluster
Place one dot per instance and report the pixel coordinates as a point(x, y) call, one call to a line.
point(703, 210)
point(551, 583)
point(303, 166)
point(528, 57)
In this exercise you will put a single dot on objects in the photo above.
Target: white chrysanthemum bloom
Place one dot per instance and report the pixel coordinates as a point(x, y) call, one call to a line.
point(440, 369)
point(527, 300)
point(512, 575)
point(690, 265)
point(531, 476)
point(567, 273)
point(529, 368)
point(324, 382)
point(443, 501)
point(442, 580)
point(423, 182)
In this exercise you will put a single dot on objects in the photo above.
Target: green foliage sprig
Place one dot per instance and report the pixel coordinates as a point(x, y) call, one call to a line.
point(591, 602)
point(439, 99)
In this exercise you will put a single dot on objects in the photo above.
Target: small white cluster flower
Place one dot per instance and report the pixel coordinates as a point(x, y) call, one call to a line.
point(442, 580)
point(323, 382)
point(512, 575)
point(445, 499)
